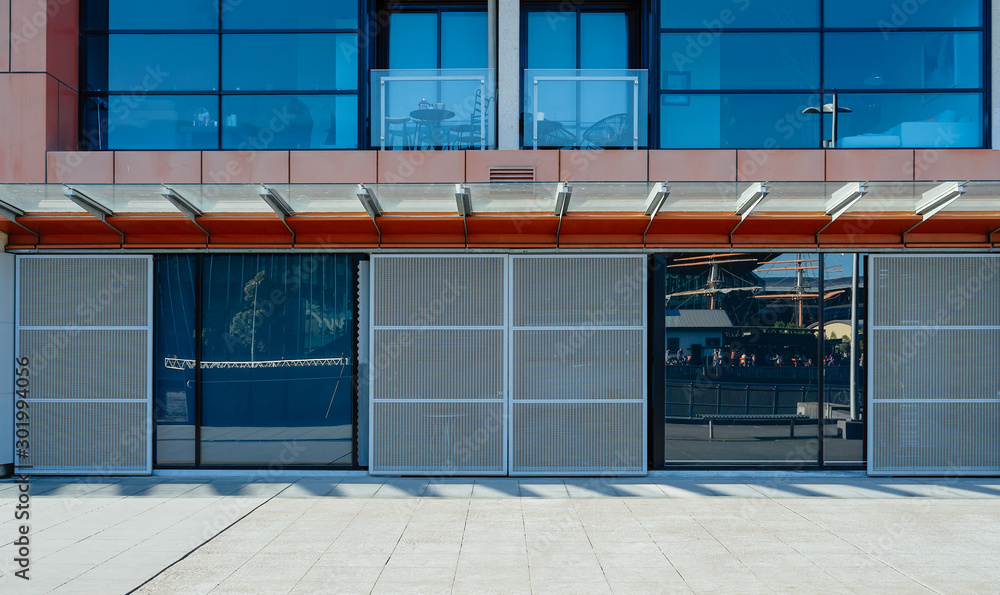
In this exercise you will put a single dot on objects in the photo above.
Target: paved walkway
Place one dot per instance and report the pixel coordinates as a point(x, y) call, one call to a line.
point(361, 535)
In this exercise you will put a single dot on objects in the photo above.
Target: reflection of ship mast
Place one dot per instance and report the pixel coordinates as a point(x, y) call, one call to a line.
point(799, 289)
point(714, 284)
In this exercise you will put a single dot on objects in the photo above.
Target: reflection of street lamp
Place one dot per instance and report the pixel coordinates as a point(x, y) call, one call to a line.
point(829, 108)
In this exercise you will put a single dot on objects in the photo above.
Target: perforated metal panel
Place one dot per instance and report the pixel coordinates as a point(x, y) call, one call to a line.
point(85, 324)
point(438, 385)
point(934, 387)
point(578, 365)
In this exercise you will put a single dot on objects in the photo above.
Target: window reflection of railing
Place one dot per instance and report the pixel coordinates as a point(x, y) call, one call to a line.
point(585, 109)
point(434, 109)
point(176, 363)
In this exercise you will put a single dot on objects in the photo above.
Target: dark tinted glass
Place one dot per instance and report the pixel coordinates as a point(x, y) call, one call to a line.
point(744, 121)
point(289, 62)
point(413, 40)
point(552, 40)
point(154, 121)
point(740, 61)
point(463, 40)
point(278, 331)
point(290, 14)
point(721, 14)
point(746, 347)
point(889, 120)
point(163, 62)
point(603, 40)
point(903, 60)
point(173, 359)
point(173, 15)
point(290, 122)
point(887, 15)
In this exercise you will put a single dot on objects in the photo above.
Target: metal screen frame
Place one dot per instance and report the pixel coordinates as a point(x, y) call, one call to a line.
point(875, 334)
point(147, 402)
point(511, 397)
point(372, 341)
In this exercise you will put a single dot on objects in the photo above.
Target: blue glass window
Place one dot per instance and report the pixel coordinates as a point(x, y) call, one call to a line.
point(146, 16)
point(889, 15)
point(740, 61)
point(174, 356)
point(738, 14)
point(463, 40)
point(258, 122)
point(293, 310)
point(551, 40)
point(163, 62)
point(903, 60)
point(910, 120)
point(603, 40)
point(413, 40)
point(139, 121)
point(773, 121)
point(290, 14)
point(289, 62)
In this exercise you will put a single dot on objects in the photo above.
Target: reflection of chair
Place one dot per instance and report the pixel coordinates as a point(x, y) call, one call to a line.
point(611, 132)
point(551, 134)
point(467, 136)
point(397, 128)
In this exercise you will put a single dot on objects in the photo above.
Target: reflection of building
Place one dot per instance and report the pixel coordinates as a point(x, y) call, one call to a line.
point(263, 184)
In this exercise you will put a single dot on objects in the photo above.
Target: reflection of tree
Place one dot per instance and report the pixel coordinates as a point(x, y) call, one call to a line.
point(244, 324)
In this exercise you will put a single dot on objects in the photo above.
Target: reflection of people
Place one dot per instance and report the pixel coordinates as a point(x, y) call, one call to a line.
point(680, 355)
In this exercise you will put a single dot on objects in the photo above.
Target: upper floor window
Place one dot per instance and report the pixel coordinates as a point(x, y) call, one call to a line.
point(737, 74)
point(205, 74)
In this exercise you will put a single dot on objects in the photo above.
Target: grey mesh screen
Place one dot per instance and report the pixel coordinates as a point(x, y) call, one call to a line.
point(84, 322)
point(438, 365)
point(578, 365)
point(934, 389)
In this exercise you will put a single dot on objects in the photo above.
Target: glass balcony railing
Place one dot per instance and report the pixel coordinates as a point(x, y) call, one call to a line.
point(565, 109)
point(432, 109)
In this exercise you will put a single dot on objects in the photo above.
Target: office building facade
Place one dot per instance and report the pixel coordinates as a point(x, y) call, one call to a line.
point(499, 238)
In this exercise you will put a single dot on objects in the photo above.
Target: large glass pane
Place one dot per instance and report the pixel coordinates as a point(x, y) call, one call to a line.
point(152, 122)
point(413, 40)
point(909, 60)
point(173, 15)
point(738, 14)
point(463, 40)
point(603, 40)
point(552, 40)
point(740, 61)
point(290, 14)
point(743, 121)
point(742, 358)
point(289, 62)
point(163, 62)
point(889, 15)
point(290, 121)
point(889, 120)
point(174, 359)
point(276, 346)
point(843, 369)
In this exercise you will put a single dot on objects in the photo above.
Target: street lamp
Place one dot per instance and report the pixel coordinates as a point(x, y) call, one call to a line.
point(829, 108)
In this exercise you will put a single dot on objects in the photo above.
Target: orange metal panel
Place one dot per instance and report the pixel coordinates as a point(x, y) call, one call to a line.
point(344, 230)
point(51, 113)
point(152, 167)
point(68, 136)
point(507, 230)
point(422, 230)
point(692, 166)
point(763, 165)
point(426, 167)
point(159, 229)
point(603, 166)
point(333, 167)
point(957, 164)
point(62, 52)
point(244, 167)
point(80, 167)
point(869, 165)
point(243, 229)
point(28, 29)
point(22, 129)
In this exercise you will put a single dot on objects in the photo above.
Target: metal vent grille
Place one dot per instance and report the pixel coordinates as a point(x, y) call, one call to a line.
point(437, 291)
point(934, 393)
point(575, 364)
point(445, 438)
point(91, 364)
point(578, 438)
point(438, 365)
point(84, 291)
point(592, 291)
point(85, 323)
point(578, 365)
point(512, 173)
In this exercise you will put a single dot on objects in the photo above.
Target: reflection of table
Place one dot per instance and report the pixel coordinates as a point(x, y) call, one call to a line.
point(430, 120)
